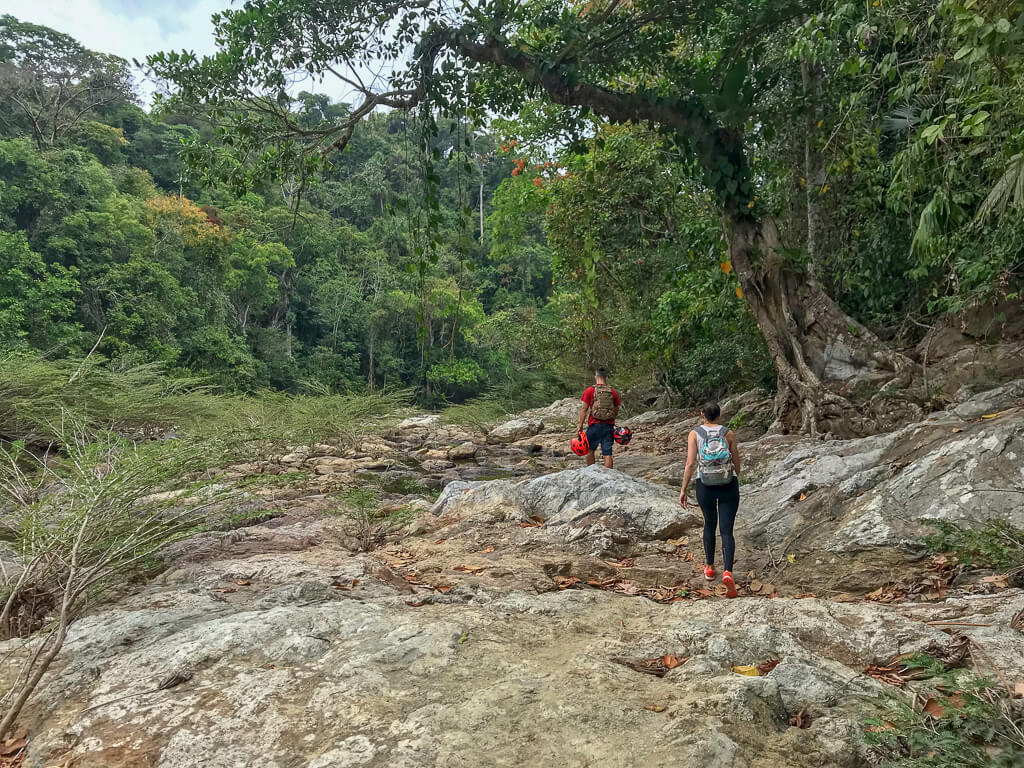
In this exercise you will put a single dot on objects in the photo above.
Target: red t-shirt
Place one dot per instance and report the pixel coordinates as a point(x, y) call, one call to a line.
point(588, 398)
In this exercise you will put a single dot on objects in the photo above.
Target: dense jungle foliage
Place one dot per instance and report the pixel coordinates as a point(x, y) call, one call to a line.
point(462, 252)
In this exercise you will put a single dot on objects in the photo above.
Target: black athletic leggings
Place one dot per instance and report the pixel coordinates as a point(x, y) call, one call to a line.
point(719, 504)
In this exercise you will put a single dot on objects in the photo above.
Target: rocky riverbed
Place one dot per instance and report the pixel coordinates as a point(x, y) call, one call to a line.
point(533, 612)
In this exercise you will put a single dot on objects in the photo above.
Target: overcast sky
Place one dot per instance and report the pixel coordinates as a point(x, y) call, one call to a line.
point(129, 28)
point(134, 29)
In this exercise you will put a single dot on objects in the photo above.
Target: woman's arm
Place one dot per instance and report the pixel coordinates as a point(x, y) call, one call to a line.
point(734, 450)
point(691, 462)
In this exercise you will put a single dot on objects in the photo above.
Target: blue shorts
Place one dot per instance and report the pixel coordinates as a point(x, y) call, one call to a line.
point(603, 434)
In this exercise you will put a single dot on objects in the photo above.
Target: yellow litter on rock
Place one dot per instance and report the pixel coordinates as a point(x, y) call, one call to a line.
point(748, 671)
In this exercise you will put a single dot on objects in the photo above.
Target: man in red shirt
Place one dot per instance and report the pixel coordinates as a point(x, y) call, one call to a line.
point(601, 404)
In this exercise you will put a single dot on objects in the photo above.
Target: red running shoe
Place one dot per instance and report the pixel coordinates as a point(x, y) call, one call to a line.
point(730, 585)
point(709, 572)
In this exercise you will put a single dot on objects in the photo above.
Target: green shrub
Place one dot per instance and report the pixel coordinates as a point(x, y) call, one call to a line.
point(997, 545)
point(971, 725)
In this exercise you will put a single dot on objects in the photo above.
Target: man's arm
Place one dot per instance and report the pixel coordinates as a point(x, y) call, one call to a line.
point(583, 416)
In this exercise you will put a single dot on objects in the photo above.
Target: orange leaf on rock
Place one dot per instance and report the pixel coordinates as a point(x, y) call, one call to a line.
point(654, 708)
point(242, 583)
point(671, 661)
point(486, 550)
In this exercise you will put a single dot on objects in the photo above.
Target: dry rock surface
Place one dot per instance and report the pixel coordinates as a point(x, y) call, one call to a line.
point(535, 612)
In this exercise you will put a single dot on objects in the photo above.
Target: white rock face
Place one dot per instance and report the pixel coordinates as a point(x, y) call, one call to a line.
point(517, 679)
point(864, 494)
point(516, 429)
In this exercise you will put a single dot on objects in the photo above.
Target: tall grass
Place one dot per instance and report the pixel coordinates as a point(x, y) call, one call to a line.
point(38, 397)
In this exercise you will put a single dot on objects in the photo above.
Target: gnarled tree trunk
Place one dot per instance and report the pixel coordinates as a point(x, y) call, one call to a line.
point(819, 351)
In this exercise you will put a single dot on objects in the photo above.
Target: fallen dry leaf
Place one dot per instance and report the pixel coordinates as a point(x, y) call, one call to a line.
point(888, 675)
point(414, 605)
point(444, 588)
point(688, 557)
point(990, 415)
point(800, 720)
point(803, 595)
point(485, 550)
point(671, 661)
point(10, 747)
point(441, 541)
point(242, 583)
point(756, 586)
point(802, 497)
point(1018, 689)
point(1000, 580)
point(933, 708)
point(767, 666)
point(957, 429)
point(626, 563)
point(654, 708)
point(568, 583)
point(470, 568)
point(677, 542)
point(886, 726)
point(747, 670)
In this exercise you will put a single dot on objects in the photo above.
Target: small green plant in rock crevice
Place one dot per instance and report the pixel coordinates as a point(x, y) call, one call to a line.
point(364, 520)
point(973, 724)
point(997, 545)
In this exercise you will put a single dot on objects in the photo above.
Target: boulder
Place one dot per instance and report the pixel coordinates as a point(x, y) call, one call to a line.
point(462, 451)
point(653, 418)
point(592, 508)
point(991, 401)
point(516, 429)
point(556, 415)
point(436, 465)
point(424, 421)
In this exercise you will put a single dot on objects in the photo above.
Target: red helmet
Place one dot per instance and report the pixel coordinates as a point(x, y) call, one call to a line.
point(623, 435)
point(580, 445)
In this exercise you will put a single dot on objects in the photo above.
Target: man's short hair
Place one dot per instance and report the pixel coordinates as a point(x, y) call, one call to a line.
point(601, 373)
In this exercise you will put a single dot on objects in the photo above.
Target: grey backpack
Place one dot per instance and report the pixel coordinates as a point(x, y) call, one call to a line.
point(714, 459)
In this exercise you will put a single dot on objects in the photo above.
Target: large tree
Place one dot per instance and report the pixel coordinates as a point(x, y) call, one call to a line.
point(694, 70)
point(50, 83)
